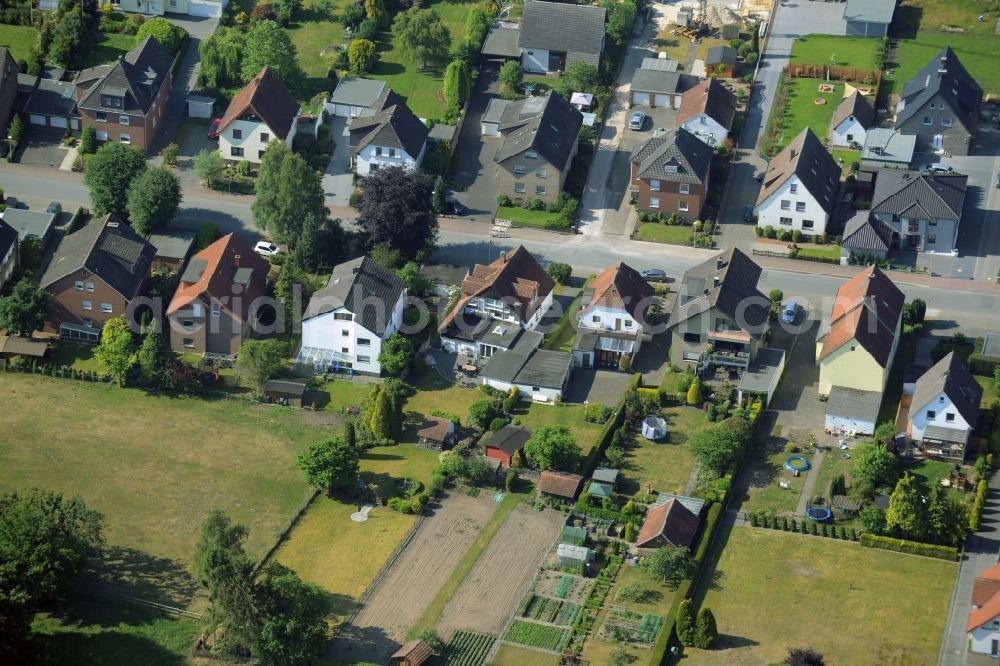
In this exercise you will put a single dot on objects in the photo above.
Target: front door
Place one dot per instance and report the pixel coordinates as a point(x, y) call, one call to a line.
point(937, 142)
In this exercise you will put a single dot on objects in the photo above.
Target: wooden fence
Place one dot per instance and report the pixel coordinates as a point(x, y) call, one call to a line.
point(835, 73)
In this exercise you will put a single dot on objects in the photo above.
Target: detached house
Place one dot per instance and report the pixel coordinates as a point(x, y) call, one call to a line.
point(539, 144)
point(554, 34)
point(940, 106)
point(944, 409)
point(707, 111)
point(264, 111)
point(613, 319)
point(670, 174)
point(800, 187)
point(983, 625)
point(392, 136)
point(202, 8)
point(347, 321)
point(94, 275)
point(851, 121)
point(217, 304)
point(923, 210)
point(125, 100)
point(497, 302)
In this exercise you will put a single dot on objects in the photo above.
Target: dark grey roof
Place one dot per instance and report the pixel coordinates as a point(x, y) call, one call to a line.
point(945, 434)
point(108, 249)
point(809, 160)
point(586, 340)
point(658, 81)
point(764, 373)
point(562, 27)
point(991, 345)
point(854, 404)
point(52, 98)
point(363, 288)
point(552, 130)
point(510, 439)
point(855, 105)
point(496, 108)
point(721, 55)
point(502, 41)
point(173, 244)
point(912, 194)
point(888, 145)
point(290, 386)
point(358, 92)
point(526, 364)
point(29, 222)
point(866, 233)
point(393, 126)
point(950, 376)
point(441, 132)
point(943, 76)
point(711, 98)
point(735, 294)
point(605, 475)
point(136, 77)
point(677, 156)
point(870, 11)
point(8, 236)
point(660, 64)
point(498, 333)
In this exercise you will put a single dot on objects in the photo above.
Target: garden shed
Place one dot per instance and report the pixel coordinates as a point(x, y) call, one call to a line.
point(559, 484)
point(504, 444)
point(605, 475)
point(12, 346)
point(200, 106)
point(601, 490)
point(436, 433)
point(286, 391)
point(412, 653)
point(852, 410)
point(573, 556)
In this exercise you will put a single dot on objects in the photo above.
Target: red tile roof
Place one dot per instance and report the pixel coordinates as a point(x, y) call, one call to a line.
point(267, 98)
point(620, 287)
point(414, 652)
point(671, 520)
point(562, 484)
point(986, 586)
point(867, 309)
point(223, 259)
point(435, 429)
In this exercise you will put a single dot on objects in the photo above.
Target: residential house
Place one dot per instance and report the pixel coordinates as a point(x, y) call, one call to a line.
point(125, 100)
point(9, 246)
point(721, 62)
point(944, 409)
point(851, 120)
point(540, 375)
point(436, 433)
point(800, 187)
point(858, 346)
point(983, 625)
point(94, 275)
point(552, 35)
point(719, 317)
point(264, 111)
point(173, 247)
point(668, 524)
point(923, 210)
point(218, 302)
point(346, 322)
point(708, 111)
point(31, 223)
point(413, 653)
point(940, 106)
point(562, 485)
point(194, 8)
point(613, 319)
point(8, 88)
point(670, 174)
point(393, 136)
point(868, 18)
point(354, 98)
point(505, 444)
point(497, 302)
point(539, 144)
point(865, 236)
point(659, 86)
point(888, 148)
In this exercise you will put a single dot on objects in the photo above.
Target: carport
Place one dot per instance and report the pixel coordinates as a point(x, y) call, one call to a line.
point(501, 43)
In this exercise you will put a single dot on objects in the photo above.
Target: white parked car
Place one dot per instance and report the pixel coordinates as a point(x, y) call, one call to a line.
point(266, 249)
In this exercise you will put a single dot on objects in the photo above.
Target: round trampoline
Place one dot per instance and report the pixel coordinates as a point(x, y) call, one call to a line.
point(796, 464)
point(819, 514)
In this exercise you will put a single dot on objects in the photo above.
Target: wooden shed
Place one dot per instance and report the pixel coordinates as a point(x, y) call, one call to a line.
point(413, 653)
point(286, 391)
point(12, 346)
point(436, 433)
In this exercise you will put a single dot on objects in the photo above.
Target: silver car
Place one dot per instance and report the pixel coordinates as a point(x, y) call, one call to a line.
point(654, 275)
point(636, 120)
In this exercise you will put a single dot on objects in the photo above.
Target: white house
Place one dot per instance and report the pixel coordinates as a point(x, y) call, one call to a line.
point(799, 187)
point(354, 97)
point(851, 120)
point(945, 408)
point(392, 136)
point(553, 34)
point(983, 625)
point(200, 8)
point(264, 111)
point(347, 322)
point(707, 111)
point(612, 321)
point(540, 375)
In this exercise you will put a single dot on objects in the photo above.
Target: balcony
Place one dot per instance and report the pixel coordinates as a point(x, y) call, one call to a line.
point(730, 359)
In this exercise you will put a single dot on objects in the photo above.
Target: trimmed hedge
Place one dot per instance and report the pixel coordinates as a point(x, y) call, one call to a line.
point(980, 364)
point(949, 553)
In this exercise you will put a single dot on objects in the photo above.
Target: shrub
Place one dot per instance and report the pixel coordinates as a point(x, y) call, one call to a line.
point(949, 553)
point(503, 200)
point(560, 272)
point(497, 423)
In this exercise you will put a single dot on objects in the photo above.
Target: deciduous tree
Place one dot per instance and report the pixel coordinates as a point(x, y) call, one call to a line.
point(222, 57)
point(291, 617)
point(68, 37)
point(477, 26)
point(559, 272)
point(267, 45)
point(421, 36)
point(620, 19)
point(153, 199)
point(262, 360)
point(876, 465)
point(668, 565)
point(25, 309)
point(166, 33)
point(117, 350)
point(288, 191)
point(329, 465)
point(396, 209)
point(804, 657)
point(209, 166)
point(553, 447)
point(717, 449)
point(396, 354)
point(361, 55)
point(580, 77)
point(510, 78)
point(108, 175)
point(947, 520)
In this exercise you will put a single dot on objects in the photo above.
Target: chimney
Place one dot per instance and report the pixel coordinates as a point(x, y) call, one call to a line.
point(236, 260)
point(943, 69)
point(718, 280)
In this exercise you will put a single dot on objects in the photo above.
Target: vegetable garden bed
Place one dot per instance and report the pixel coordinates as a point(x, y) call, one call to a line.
point(628, 626)
point(469, 648)
point(522, 632)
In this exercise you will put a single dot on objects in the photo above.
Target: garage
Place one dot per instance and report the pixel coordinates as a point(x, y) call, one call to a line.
point(206, 10)
point(38, 120)
point(353, 97)
point(640, 98)
point(200, 107)
point(52, 104)
point(55, 121)
point(661, 100)
point(660, 89)
point(852, 410)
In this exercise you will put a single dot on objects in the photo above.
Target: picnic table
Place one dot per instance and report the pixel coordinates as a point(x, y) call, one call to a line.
point(471, 369)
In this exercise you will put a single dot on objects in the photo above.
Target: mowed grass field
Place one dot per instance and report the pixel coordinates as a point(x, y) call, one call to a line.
point(154, 466)
point(770, 591)
point(664, 466)
point(511, 655)
point(538, 415)
point(19, 39)
point(829, 50)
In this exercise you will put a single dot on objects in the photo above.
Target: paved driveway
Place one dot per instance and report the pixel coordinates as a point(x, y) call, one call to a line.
point(475, 176)
point(41, 145)
point(603, 386)
point(338, 181)
point(797, 401)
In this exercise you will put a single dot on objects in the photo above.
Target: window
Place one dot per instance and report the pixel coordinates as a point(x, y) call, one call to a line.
point(850, 137)
point(596, 319)
point(123, 120)
point(87, 305)
point(671, 168)
point(793, 188)
point(685, 188)
point(264, 137)
point(173, 3)
point(102, 135)
point(540, 190)
point(364, 342)
point(628, 323)
point(392, 152)
point(216, 309)
point(654, 202)
point(932, 223)
point(682, 206)
point(931, 414)
point(125, 138)
point(105, 307)
point(786, 221)
point(540, 172)
point(236, 151)
point(343, 316)
point(101, 117)
point(654, 185)
point(343, 350)
point(946, 121)
point(931, 240)
point(786, 204)
point(79, 285)
point(691, 357)
point(531, 154)
point(112, 102)
point(949, 417)
point(808, 224)
point(926, 120)
point(364, 359)
point(520, 169)
point(344, 332)
point(800, 206)
point(378, 151)
point(692, 338)
point(237, 133)
point(189, 343)
point(260, 156)
point(519, 188)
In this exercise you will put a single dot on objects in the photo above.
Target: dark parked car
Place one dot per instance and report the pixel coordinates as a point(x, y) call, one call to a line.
point(748, 213)
point(453, 207)
point(654, 275)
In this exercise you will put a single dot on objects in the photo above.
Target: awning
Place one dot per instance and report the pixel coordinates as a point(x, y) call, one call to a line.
point(943, 434)
point(733, 336)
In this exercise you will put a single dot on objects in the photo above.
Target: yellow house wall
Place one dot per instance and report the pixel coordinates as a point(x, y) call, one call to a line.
point(851, 369)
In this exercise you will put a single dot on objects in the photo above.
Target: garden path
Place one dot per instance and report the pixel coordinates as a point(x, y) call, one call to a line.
point(810, 484)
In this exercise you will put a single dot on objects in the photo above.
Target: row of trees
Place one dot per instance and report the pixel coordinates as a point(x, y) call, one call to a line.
point(232, 56)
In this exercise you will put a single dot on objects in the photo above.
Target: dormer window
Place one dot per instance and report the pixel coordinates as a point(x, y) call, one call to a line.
point(531, 154)
point(671, 168)
point(793, 188)
point(112, 102)
point(237, 133)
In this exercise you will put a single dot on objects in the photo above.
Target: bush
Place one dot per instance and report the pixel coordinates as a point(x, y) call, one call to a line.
point(503, 200)
point(497, 423)
point(596, 412)
point(949, 553)
point(559, 272)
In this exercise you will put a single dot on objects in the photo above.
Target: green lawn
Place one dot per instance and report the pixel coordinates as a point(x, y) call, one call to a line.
point(344, 393)
point(539, 219)
point(770, 591)
point(19, 39)
point(802, 110)
point(315, 36)
point(664, 233)
point(675, 46)
point(435, 392)
point(105, 49)
point(767, 470)
point(674, 382)
point(991, 390)
point(512, 655)
point(534, 415)
point(828, 252)
point(978, 53)
point(663, 466)
point(934, 14)
point(385, 465)
point(858, 52)
point(563, 334)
